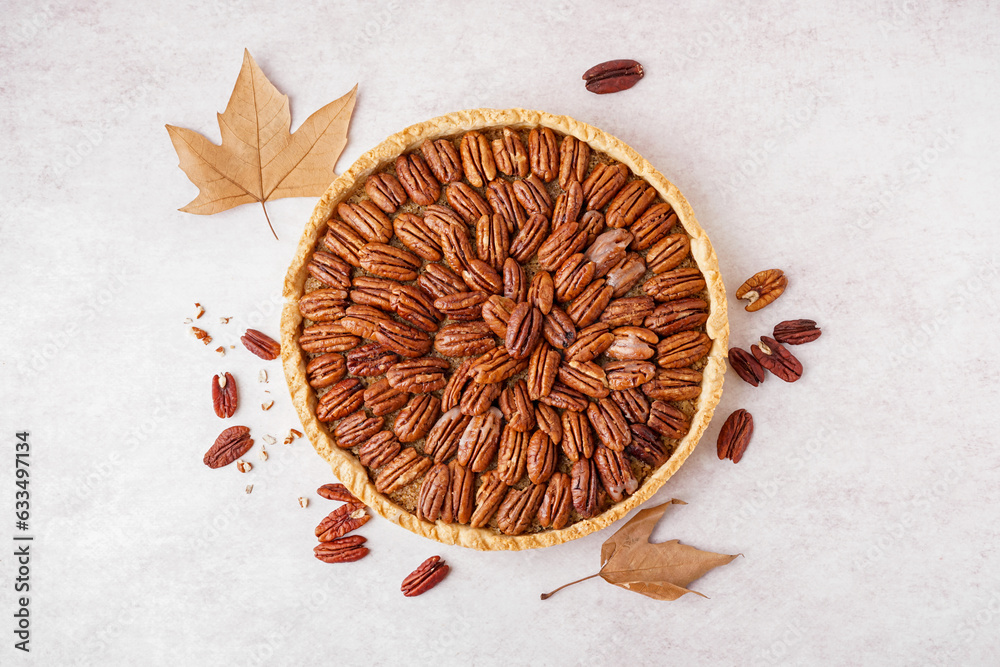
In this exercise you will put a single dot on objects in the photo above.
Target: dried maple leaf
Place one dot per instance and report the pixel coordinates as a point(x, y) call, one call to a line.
point(259, 159)
point(660, 571)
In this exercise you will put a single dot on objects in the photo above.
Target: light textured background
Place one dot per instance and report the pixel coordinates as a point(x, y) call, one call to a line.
point(854, 146)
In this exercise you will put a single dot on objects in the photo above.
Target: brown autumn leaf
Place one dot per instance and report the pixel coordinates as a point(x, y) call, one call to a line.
point(259, 159)
point(661, 571)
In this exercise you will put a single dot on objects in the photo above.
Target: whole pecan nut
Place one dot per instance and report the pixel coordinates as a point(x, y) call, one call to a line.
point(568, 206)
point(543, 156)
point(647, 446)
point(324, 370)
point(496, 366)
point(442, 440)
point(467, 202)
point(585, 488)
point(573, 276)
point(462, 496)
point(323, 305)
point(492, 240)
point(343, 520)
point(735, 435)
point(438, 281)
point(356, 429)
point(676, 316)
point(623, 375)
point(796, 332)
point(373, 292)
point(415, 234)
point(668, 253)
point(261, 344)
point(746, 366)
point(543, 367)
point(586, 377)
point(462, 306)
point(542, 458)
point(343, 398)
point(633, 404)
point(402, 339)
point(541, 292)
point(231, 444)
point(564, 242)
point(591, 342)
point(615, 473)
point(510, 155)
point(653, 226)
point(574, 160)
point(577, 438)
point(675, 284)
point(478, 397)
point(427, 576)
point(464, 339)
point(762, 288)
point(382, 398)
point(667, 420)
point(609, 424)
point(416, 307)
point(773, 356)
point(515, 283)
point(327, 337)
point(389, 261)
point(458, 382)
point(479, 442)
point(529, 238)
point(590, 304)
point(682, 349)
point(379, 450)
point(417, 179)
point(519, 507)
point(330, 270)
point(343, 241)
point(524, 330)
point(630, 202)
point(434, 493)
point(565, 398)
point(548, 420)
point(481, 276)
point(477, 159)
point(534, 196)
point(367, 219)
point(490, 494)
point(362, 320)
point(557, 502)
point(407, 467)
point(628, 311)
point(674, 384)
point(515, 403)
point(336, 492)
point(512, 457)
point(342, 549)
point(443, 160)
point(418, 376)
point(558, 328)
point(225, 396)
point(385, 191)
point(592, 225)
point(613, 76)
point(603, 184)
point(417, 417)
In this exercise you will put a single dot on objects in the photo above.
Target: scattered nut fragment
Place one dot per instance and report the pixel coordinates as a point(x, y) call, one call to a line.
point(201, 311)
point(188, 320)
point(267, 406)
point(249, 488)
point(303, 502)
point(244, 466)
point(201, 335)
point(269, 439)
point(221, 350)
point(262, 376)
point(762, 288)
point(292, 435)
point(224, 320)
point(427, 576)
point(262, 455)
point(735, 435)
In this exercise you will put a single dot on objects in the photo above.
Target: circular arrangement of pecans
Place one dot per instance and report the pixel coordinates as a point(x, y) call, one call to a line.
point(506, 328)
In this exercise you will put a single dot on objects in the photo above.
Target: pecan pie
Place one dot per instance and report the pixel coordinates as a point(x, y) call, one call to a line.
point(504, 329)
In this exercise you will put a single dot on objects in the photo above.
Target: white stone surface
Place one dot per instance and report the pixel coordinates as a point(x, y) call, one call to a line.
point(853, 145)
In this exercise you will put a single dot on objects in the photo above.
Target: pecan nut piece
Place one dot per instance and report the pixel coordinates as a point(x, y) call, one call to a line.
point(442, 441)
point(418, 376)
point(615, 473)
point(462, 495)
point(356, 429)
point(559, 329)
point(343, 520)
point(417, 235)
point(518, 509)
point(458, 382)
point(434, 493)
point(260, 344)
point(336, 492)
point(628, 311)
point(564, 242)
point(548, 420)
point(462, 306)
point(477, 159)
point(608, 250)
point(326, 369)
point(667, 420)
point(773, 356)
point(675, 284)
point(573, 276)
point(370, 360)
point(417, 179)
point(609, 424)
point(746, 366)
point(735, 436)
point(512, 459)
point(613, 76)
point(592, 225)
point(464, 339)
point(490, 494)
point(577, 438)
point(492, 240)
point(568, 205)
point(668, 253)
point(443, 160)
point(591, 342)
point(379, 450)
point(330, 270)
point(389, 261)
point(534, 196)
point(467, 202)
point(543, 456)
point(427, 576)
point(574, 159)
point(478, 398)
point(416, 307)
point(517, 408)
point(588, 306)
point(585, 488)
point(647, 446)
point(225, 396)
point(496, 366)
point(386, 192)
point(327, 337)
point(343, 241)
point(323, 305)
point(231, 444)
point(629, 374)
point(438, 281)
point(603, 184)
point(340, 400)
point(515, 283)
point(633, 404)
point(682, 349)
point(541, 292)
point(510, 155)
point(402, 339)
point(417, 417)
point(524, 330)
point(630, 202)
point(674, 384)
point(626, 274)
point(565, 398)
point(543, 367)
point(556, 503)
point(762, 288)
point(529, 238)
point(479, 442)
point(342, 549)
point(676, 316)
point(367, 220)
point(796, 332)
point(543, 156)
point(404, 469)
point(586, 377)
point(633, 343)
point(654, 225)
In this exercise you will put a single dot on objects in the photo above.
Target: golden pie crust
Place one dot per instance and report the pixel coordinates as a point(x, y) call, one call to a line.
point(346, 466)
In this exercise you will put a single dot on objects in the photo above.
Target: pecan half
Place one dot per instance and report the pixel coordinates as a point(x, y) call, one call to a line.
point(477, 159)
point(260, 344)
point(615, 473)
point(438, 281)
point(512, 458)
point(367, 219)
point(609, 424)
point(490, 494)
point(467, 202)
point(632, 343)
point(382, 398)
point(543, 366)
point(613, 76)
point(557, 502)
point(413, 232)
point(341, 550)
point(434, 493)
point(481, 276)
point(401, 471)
point(735, 435)
point(330, 270)
point(524, 330)
point(633, 404)
point(608, 250)
point(674, 384)
point(341, 521)
point(385, 191)
point(592, 225)
point(427, 576)
point(668, 253)
point(343, 241)
point(225, 396)
point(668, 420)
point(796, 332)
point(439, 218)
point(574, 159)
point(478, 445)
point(558, 328)
point(773, 356)
point(565, 398)
point(515, 283)
point(573, 276)
point(402, 339)
point(518, 509)
point(534, 196)
point(323, 305)
point(443, 160)
point(541, 292)
point(564, 242)
point(586, 377)
point(629, 374)
point(653, 225)
point(370, 360)
point(543, 156)
point(591, 302)
point(675, 284)
point(389, 261)
point(379, 450)
point(418, 376)
point(682, 349)
point(457, 383)
point(327, 337)
point(462, 495)
point(340, 400)
point(416, 307)
point(362, 320)
point(577, 438)
point(510, 155)
point(542, 457)
point(584, 488)
point(442, 441)
point(762, 288)
point(676, 316)
point(630, 202)
point(626, 274)
point(647, 446)
point(356, 429)
point(516, 406)
point(478, 398)
point(603, 184)
point(417, 179)
point(417, 417)
point(464, 339)
point(568, 205)
point(336, 492)
point(501, 198)
point(231, 444)
point(462, 306)
point(548, 420)
point(529, 238)
point(496, 366)
point(591, 342)
point(746, 366)
point(325, 369)
point(492, 240)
